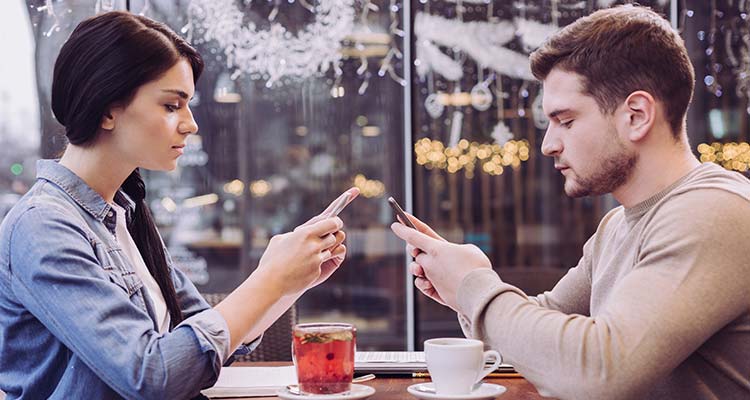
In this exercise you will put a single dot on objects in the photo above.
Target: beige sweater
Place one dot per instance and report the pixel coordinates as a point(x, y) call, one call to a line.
point(658, 306)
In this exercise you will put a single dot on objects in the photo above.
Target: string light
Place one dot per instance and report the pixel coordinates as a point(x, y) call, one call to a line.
point(369, 187)
point(260, 188)
point(235, 187)
point(199, 201)
point(493, 158)
point(732, 156)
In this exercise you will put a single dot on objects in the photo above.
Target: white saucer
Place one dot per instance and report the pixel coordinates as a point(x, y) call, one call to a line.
point(356, 392)
point(486, 391)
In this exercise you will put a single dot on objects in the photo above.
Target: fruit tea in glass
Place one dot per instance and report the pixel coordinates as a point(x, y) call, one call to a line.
point(324, 357)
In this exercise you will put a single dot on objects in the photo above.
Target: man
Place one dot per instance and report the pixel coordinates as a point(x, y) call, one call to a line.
point(659, 304)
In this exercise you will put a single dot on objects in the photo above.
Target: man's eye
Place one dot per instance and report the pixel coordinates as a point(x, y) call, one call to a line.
point(567, 124)
point(171, 107)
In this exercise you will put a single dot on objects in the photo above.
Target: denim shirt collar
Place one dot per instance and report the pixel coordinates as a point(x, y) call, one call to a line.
point(86, 197)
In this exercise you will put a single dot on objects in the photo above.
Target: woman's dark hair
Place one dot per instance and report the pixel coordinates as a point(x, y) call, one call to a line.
point(103, 63)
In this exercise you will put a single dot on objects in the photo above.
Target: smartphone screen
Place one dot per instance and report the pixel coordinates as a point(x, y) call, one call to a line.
point(400, 212)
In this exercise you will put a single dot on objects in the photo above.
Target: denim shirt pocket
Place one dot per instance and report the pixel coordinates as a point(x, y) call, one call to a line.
point(114, 263)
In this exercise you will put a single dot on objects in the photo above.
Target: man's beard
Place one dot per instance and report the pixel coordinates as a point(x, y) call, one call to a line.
point(611, 173)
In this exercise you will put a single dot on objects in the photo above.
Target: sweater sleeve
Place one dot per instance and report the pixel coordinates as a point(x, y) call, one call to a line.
point(685, 286)
point(572, 293)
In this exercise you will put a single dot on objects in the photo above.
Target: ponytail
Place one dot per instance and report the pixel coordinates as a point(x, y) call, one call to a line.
point(145, 236)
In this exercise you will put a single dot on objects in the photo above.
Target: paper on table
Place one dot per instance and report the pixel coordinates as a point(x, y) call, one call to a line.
point(251, 381)
point(398, 362)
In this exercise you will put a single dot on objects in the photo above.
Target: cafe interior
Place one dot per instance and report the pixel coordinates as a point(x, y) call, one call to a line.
point(430, 102)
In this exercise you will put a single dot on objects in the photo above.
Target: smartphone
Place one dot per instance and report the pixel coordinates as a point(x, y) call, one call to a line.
point(338, 205)
point(400, 212)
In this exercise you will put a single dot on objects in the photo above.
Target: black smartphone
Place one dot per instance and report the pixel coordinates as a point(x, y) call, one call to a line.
point(400, 212)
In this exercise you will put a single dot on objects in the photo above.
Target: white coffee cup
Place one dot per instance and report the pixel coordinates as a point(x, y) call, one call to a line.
point(456, 364)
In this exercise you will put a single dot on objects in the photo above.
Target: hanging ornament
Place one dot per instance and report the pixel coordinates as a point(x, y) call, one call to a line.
point(275, 52)
point(365, 83)
point(741, 64)
point(481, 95)
point(501, 133)
point(146, 7)
point(540, 118)
point(362, 71)
point(363, 64)
point(469, 1)
point(388, 65)
point(729, 50)
point(49, 8)
point(434, 106)
point(456, 125)
point(104, 6)
point(607, 3)
point(580, 6)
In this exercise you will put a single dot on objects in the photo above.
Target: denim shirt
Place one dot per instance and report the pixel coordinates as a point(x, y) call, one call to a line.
point(76, 321)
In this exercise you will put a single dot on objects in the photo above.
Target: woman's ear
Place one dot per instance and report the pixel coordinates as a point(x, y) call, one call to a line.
point(108, 121)
point(640, 108)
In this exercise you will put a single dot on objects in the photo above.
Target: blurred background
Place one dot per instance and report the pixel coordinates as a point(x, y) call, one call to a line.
point(431, 102)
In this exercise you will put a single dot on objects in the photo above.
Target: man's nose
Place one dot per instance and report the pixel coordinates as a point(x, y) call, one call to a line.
point(551, 144)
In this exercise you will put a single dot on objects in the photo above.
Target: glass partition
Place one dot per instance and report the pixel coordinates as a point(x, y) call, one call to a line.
point(303, 99)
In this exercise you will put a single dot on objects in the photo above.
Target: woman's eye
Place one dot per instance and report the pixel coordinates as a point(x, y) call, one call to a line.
point(171, 107)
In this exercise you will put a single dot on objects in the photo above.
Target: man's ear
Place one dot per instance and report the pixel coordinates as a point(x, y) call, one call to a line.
point(640, 114)
point(108, 120)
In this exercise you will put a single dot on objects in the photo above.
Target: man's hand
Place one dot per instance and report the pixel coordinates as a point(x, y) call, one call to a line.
point(439, 265)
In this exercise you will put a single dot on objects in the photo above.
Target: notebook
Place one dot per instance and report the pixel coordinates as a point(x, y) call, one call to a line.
point(396, 362)
point(251, 381)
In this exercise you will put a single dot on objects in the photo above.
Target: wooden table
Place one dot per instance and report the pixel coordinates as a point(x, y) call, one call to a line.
point(390, 388)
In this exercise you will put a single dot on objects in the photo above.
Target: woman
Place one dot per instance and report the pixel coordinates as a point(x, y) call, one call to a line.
point(90, 303)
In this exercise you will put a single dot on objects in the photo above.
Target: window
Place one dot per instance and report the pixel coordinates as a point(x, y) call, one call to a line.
point(275, 147)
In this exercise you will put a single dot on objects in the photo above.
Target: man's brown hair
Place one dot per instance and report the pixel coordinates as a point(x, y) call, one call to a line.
point(618, 51)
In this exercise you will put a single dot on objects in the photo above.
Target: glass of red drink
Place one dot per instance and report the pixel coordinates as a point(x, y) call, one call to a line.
point(324, 356)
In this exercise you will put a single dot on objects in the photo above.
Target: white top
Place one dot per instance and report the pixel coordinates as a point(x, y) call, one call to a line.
point(131, 251)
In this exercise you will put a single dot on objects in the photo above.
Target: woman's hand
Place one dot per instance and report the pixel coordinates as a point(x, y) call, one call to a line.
point(329, 266)
point(298, 260)
point(338, 251)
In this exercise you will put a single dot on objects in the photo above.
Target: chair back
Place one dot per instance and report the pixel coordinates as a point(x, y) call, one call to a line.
point(277, 339)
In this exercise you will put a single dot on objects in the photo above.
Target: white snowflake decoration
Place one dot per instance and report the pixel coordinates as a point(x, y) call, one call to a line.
point(501, 133)
point(276, 52)
point(431, 58)
point(532, 33)
point(482, 41)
